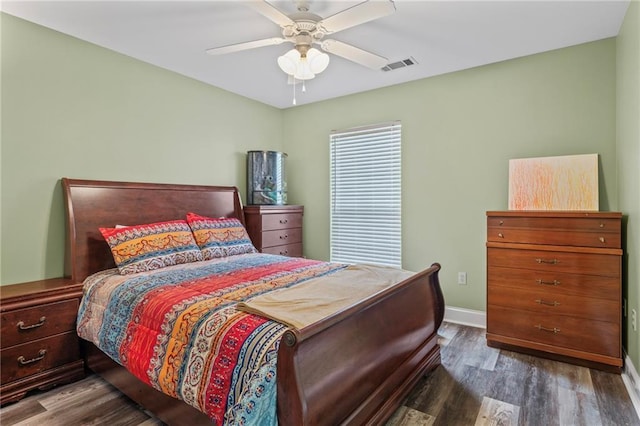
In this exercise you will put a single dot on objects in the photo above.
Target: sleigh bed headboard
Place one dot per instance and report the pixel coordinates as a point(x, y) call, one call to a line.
point(91, 204)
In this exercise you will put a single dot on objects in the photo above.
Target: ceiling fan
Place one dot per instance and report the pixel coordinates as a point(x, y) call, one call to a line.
point(305, 29)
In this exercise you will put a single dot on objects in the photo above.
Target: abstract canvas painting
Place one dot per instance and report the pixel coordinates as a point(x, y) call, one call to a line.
point(567, 182)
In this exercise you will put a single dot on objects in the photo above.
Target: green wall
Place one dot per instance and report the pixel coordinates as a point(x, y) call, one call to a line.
point(628, 146)
point(458, 132)
point(70, 108)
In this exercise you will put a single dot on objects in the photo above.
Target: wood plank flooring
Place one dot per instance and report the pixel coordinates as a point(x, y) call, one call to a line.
point(476, 385)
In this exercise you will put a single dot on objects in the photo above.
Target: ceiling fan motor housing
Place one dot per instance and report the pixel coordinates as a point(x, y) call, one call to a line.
point(306, 25)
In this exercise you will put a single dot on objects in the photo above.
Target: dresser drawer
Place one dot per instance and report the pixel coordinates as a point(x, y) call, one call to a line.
point(586, 232)
point(281, 221)
point(540, 301)
point(574, 333)
point(23, 325)
point(555, 261)
point(291, 250)
point(39, 355)
point(555, 282)
point(559, 237)
point(586, 224)
point(280, 237)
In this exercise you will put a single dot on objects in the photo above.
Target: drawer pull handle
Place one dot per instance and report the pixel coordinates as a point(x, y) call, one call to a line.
point(40, 356)
point(602, 240)
point(283, 221)
point(500, 234)
point(554, 282)
point(549, 261)
point(602, 225)
point(553, 330)
point(501, 222)
point(284, 252)
point(21, 325)
point(544, 302)
point(284, 237)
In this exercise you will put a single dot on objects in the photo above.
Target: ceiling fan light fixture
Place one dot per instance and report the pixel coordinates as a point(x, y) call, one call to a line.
point(303, 67)
point(318, 61)
point(303, 72)
point(289, 61)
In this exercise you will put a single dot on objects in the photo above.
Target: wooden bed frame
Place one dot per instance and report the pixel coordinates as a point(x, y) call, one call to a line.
point(355, 367)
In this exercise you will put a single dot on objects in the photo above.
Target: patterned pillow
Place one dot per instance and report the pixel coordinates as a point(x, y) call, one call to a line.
point(220, 237)
point(152, 246)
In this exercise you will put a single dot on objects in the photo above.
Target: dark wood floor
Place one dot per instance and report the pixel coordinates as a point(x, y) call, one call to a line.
point(476, 385)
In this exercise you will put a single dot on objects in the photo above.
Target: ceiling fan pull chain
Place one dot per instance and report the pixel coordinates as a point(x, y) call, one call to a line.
point(294, 90)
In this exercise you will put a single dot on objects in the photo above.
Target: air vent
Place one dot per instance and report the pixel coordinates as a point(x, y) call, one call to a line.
point(400, 64)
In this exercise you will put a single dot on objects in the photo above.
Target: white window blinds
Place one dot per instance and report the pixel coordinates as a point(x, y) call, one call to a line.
point(366, 195)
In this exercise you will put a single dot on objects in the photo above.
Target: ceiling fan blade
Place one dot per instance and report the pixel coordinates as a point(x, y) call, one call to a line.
point(354, 54)
point(267, 10)
point(245, 46)
point(356, 15)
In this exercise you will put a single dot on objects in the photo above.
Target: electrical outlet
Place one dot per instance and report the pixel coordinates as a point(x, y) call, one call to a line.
point(462, 278)
point(634, 320)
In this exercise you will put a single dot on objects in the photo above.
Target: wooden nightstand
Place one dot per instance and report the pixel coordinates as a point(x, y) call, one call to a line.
point(39, 347)
point(275, 229)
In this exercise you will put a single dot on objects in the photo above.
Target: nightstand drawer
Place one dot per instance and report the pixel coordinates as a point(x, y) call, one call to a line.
point(280, 237)
point(23, 325)
point(39, 355)
point(291, 250)
point(281, 221)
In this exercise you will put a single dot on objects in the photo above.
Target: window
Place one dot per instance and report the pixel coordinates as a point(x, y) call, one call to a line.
point(366, 195)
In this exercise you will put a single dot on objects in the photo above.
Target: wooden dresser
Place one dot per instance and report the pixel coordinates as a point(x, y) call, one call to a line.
point(39, 346)
point(554, 285)
point(275, 229)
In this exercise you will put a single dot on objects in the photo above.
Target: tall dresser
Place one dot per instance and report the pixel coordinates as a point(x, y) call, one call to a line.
point(275, 229)
point(554, 285)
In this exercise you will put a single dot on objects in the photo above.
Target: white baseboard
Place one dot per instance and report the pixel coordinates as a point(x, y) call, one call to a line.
point(465, 316)
point(632, 383)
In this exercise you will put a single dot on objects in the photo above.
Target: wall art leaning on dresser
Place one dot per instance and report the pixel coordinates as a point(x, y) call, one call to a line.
point(567, 182)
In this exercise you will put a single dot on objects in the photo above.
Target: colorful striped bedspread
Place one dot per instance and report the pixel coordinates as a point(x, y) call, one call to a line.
point(177, 329)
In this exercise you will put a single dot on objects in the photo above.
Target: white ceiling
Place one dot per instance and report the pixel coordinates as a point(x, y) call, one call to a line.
point(442, 36)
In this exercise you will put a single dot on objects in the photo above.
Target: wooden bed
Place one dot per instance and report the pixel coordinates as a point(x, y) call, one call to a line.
point(390, 339)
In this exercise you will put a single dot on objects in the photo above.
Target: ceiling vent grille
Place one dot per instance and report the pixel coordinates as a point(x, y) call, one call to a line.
point(400, 64)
